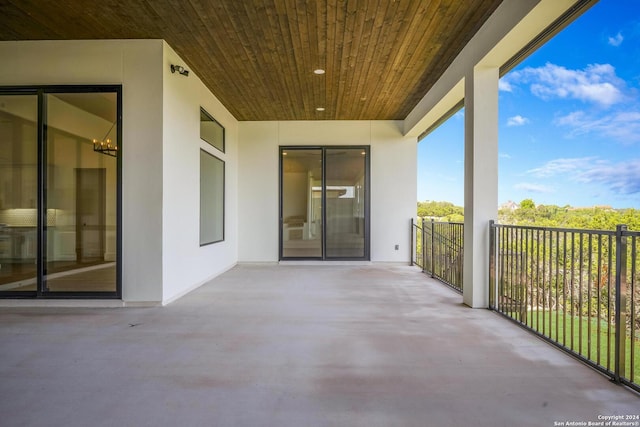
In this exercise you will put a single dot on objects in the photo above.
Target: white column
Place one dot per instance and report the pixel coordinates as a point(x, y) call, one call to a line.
point(480, 180)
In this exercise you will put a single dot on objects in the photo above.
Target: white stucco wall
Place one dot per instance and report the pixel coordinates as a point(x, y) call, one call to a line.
point(161, 257)
point(185, 264)
point(136, 64)
point(393, 181)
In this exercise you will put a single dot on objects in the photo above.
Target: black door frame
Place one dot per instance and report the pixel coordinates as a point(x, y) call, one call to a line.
point(41, 232)
point(367, 202)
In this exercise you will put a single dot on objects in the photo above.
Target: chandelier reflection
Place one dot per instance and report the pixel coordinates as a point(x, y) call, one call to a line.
point(105, 145)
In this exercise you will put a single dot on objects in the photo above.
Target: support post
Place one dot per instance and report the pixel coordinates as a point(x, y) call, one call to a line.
point(480, 180)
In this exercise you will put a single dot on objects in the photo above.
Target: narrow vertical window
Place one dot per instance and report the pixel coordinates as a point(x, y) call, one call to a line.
point(211, 199)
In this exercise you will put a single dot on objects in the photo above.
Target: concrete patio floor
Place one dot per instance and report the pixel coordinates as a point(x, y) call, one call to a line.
point(289, 345)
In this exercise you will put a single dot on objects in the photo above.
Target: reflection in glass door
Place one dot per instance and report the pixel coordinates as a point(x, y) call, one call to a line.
point(301, 199)
point(81, 192)
point(18, 192)
point(324, 203)
point(345, 202)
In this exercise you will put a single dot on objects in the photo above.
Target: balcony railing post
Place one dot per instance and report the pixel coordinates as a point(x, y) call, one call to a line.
point(621, 302)
point(492, 263)
point(424, 245)
point(411, 244)
point(433, 259)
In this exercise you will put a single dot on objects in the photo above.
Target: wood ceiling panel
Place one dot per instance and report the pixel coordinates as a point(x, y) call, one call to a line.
point(258, 57)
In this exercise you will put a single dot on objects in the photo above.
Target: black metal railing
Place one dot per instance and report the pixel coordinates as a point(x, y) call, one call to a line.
point(417, 248)
point(578, 289)
point(437, 247)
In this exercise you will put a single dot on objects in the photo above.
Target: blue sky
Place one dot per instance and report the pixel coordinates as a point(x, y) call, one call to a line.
point(569, 120)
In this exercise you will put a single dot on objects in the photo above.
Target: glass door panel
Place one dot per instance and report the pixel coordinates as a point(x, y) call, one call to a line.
point(345, 202)
point(324, 203)
point(301, 208)
point(81, 192)
point(18, 192)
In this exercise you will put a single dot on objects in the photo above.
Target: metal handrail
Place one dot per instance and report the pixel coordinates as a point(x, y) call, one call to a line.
point(417, 233)
point(578, 289)
point(438, 248)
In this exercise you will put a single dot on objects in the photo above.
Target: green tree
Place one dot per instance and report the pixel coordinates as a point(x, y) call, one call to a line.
point(527, 204)
point(438, 210)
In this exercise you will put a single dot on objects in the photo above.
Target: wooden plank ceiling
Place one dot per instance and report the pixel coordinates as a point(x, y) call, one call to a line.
point(258, 57)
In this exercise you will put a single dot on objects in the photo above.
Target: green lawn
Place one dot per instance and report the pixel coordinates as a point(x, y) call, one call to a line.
point(585, 338)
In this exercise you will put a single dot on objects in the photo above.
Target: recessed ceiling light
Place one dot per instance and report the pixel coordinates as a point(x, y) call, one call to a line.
point(320, 109)
point(318, 71)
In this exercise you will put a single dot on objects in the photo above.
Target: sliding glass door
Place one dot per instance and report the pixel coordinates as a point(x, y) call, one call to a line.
point(345, 203)
point(18, 192)
point(81, 199)
point(324, 203)
point(301, 203)
point(59, 191)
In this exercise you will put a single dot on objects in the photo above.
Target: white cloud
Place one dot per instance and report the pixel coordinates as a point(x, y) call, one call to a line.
point(504, 156)
point(596, 83)
point(616, 40)
point(517, 121)
point(623, 126)
point(574, 119)
point(504, 85)
point(562, 166)
point(620, 178)
point(533, 188)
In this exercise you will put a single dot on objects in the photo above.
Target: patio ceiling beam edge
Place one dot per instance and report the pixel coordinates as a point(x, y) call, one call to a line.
point(512, 26)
